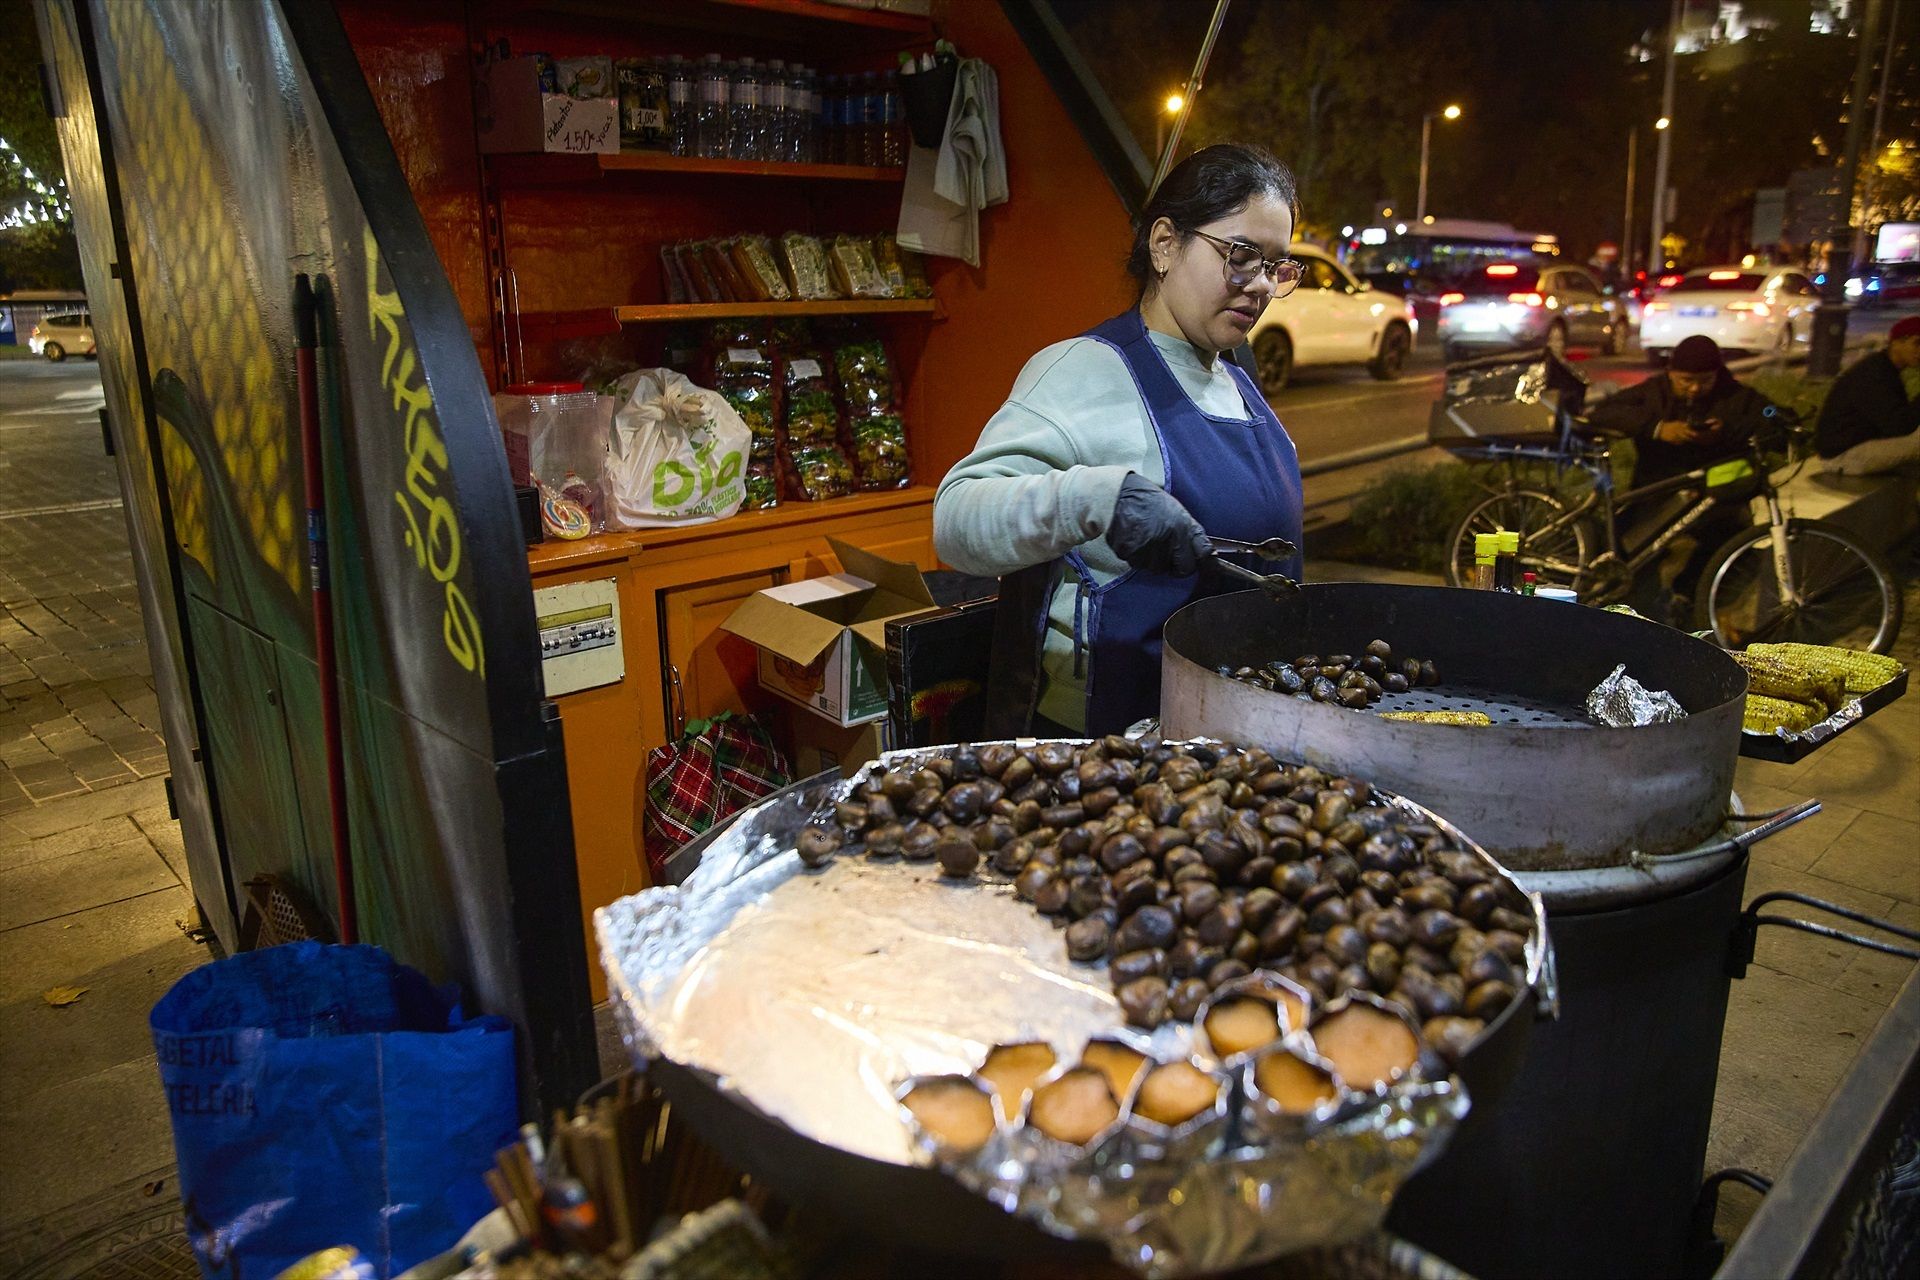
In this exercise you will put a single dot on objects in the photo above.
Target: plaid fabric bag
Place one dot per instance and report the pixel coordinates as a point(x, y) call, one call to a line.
point(717, 768)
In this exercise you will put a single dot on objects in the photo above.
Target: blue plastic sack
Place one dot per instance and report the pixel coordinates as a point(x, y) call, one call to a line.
point(325, 1095)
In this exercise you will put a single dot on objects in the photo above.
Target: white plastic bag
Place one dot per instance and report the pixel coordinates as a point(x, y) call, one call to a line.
point(678, 454)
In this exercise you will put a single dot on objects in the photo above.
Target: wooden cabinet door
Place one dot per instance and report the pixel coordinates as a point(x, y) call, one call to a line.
point(716, 670)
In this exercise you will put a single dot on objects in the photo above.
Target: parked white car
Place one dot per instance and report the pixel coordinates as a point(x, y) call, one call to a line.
point(1744, 309)
point(57, 337)
point(1331, 318)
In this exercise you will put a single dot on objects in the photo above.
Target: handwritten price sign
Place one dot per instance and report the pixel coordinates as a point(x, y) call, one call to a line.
point(581, 126)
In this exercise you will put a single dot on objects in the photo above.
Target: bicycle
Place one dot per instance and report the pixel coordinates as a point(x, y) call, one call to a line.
point(1788, 579)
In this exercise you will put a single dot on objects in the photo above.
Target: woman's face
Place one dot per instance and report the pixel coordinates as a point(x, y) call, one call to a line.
point(1212, 313)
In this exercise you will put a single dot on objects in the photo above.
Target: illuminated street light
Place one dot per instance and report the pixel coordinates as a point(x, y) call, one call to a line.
point(1662, 123)
point(1451, 112)
point(1174, 103)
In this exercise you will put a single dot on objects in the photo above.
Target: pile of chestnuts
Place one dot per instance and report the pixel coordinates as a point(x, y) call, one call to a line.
point(1183, 866)
point(1351, 681)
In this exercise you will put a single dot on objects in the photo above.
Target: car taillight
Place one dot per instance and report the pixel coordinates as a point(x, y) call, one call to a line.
point(1760, 309)
point(1657, 306)
point(1530, 299)
point(1448, 299)
point(1667, 282)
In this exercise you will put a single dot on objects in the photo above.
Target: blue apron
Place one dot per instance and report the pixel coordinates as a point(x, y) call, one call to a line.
point(1239, 477)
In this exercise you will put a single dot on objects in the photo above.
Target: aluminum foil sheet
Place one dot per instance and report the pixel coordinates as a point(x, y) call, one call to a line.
point(1621, 702)
point(814, 995)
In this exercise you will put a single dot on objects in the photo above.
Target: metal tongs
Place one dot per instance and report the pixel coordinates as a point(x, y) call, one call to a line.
point(1274, 584)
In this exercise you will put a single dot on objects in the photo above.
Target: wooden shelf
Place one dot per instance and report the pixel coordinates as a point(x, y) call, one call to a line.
point(593, 322)
point(804, 22)
point(652, 313)
point(878, 19)
point(781, 521)
point(660, 162)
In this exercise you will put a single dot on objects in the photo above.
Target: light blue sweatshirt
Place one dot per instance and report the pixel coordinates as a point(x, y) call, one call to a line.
point(1047, 470)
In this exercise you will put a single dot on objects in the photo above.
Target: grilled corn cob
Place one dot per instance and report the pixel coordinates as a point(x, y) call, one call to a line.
point(1776, 677)
point(1765, 714)
point(1860, 672)
point(1439, 717)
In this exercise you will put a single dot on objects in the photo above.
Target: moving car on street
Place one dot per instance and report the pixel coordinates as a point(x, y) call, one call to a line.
point(1332, 318)
point(1743, 309)
point(1509, 305)
point(57, 337)
point(1885, 282)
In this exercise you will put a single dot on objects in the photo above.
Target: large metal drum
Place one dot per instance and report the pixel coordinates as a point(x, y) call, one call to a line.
point(1588, 1166)
point(1542, 788)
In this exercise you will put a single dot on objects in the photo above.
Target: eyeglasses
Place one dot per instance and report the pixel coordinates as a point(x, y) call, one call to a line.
point(1244, 265)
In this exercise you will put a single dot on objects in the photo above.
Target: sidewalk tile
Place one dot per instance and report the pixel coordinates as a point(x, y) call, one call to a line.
point(56, 887)
point(1876, 853)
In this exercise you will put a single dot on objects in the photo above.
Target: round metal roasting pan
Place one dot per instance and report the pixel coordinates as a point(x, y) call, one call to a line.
point(925, 1209)
point(1542, 788)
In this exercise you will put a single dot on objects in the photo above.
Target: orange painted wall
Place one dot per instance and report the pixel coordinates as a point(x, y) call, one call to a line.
point(1050, 257)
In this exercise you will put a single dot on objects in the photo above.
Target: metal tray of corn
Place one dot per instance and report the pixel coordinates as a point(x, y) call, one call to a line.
point(1786, 745)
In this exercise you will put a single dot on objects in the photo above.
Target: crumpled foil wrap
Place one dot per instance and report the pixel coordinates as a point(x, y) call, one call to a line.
point(1621, 702)
point(814, 995)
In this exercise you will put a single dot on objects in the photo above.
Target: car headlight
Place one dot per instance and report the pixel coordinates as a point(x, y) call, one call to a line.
point(1854, 288)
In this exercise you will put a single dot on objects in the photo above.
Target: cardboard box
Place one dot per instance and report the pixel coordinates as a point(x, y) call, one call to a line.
point(819, 744)
point(823, 641)
point(515, 114)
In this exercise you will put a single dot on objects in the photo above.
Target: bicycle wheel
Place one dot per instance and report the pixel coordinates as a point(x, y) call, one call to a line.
point(1847, 594)
point(1555, 556)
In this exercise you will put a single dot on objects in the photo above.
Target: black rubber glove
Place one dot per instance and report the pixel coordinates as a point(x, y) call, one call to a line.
point(1151, 531)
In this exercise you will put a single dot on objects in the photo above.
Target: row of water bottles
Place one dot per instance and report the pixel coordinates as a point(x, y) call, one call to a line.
point(752, 110)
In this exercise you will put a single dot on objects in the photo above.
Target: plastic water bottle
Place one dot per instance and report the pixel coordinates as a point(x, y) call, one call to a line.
point(710, 111)
point(775, 98)
point(743, 118)
point(805, 121)
point(893, 123)
point(871, 103)
point(679, 77)
point(816, 149)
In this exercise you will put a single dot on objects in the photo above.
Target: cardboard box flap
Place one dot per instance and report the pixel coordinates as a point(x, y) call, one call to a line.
point(783, 629)
point(902, 580)
point(874, 632)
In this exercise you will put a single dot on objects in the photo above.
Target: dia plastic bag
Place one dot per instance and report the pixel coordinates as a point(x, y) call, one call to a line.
point(327, 1095)
point(678, 454)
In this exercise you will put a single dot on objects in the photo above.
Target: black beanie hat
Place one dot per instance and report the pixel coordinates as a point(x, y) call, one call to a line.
point(1698, 354)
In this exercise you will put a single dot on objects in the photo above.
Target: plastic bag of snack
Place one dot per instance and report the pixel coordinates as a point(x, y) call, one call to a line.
point(915, 268)
point(804, 259)
point(701, 285)
point(866, 378)
point(880, 452)
point(753, 255)
point(893, 272)
point(812, 414)
point(719, 261)
point(743, 373)
point(763, 485)
point(820, 471)
point(854, 269)
point(673, 276)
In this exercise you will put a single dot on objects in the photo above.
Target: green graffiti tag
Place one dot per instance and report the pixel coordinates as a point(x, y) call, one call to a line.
point(424, 495)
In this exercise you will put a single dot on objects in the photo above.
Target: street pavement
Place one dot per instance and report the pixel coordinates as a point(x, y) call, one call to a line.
point(94, 908)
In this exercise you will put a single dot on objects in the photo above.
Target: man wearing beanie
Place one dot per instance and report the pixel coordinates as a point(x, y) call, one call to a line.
point(1690, 417)
point(1868, 422)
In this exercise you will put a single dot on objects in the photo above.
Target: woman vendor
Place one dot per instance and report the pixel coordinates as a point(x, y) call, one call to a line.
point(1093, 489)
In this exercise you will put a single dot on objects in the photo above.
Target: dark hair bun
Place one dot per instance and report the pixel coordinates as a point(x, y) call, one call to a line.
point(1213, 183)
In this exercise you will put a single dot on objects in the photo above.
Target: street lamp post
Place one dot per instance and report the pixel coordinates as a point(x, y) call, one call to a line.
point(1452, 112)
point(1170, 108)
point(1626, 229)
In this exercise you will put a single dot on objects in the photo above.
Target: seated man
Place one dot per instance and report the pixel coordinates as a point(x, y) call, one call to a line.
point(1690, 417)
point(1869, 423)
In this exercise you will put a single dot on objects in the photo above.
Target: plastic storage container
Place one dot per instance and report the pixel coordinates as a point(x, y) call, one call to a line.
point(556, 437)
